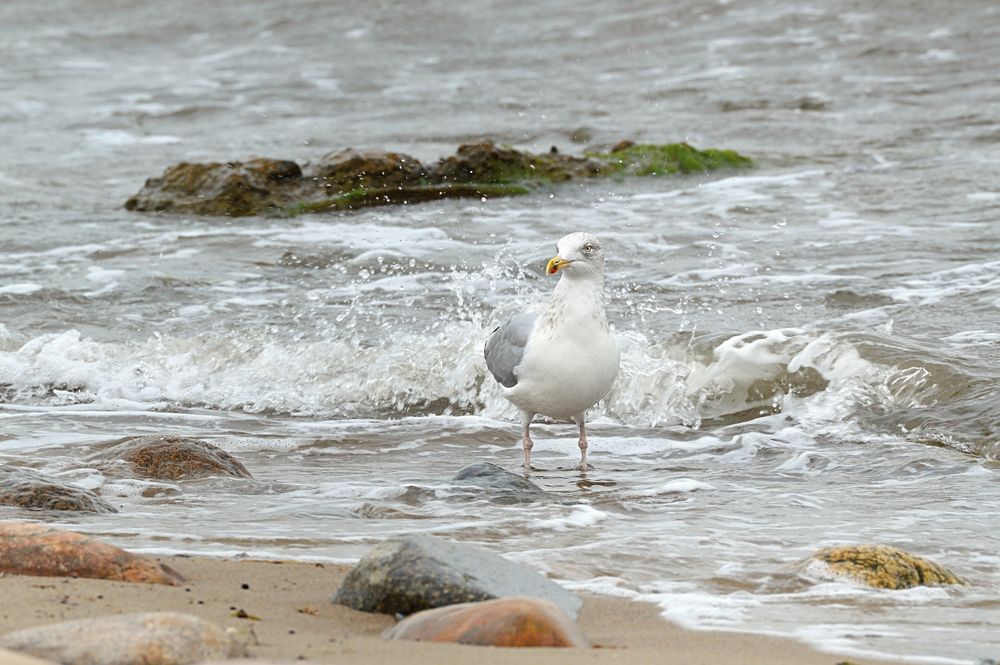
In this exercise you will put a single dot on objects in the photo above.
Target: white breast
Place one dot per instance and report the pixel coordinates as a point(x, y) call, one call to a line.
point(571, 359)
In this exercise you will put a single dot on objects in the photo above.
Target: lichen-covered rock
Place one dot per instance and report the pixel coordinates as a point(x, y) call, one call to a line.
point(879, 566)
point(500, 485)
point(170, 458)
point(23, 488)
point(347, 170)
point(150, 638)
point(421, 572)
point(34, 549)
point(350, 180)
point(505, 622)
point(231, 189)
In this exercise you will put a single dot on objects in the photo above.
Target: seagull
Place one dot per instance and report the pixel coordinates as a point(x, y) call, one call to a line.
point(560, 360)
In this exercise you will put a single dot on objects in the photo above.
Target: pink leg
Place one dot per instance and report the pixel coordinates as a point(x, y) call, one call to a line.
point(526, 439)
point(583, 440)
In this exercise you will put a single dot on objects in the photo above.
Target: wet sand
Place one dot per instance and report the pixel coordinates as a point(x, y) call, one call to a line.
point(294, 619)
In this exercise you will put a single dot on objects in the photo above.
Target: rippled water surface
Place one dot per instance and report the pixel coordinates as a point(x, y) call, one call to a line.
point(811, 349)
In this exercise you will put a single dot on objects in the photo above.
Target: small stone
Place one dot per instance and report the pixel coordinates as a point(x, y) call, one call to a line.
point(152, 638)
point(170, 458)
point(421, 572)
point(34, 549)
point(506, 622)
point(879, 566)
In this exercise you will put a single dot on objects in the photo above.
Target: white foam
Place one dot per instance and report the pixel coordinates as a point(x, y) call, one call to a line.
point(582, 516)
point(678, 486)
point(117, 137)
point(21, 289)
point(103, 275)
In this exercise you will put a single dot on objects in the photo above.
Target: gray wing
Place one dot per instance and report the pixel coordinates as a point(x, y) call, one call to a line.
point(505, 347)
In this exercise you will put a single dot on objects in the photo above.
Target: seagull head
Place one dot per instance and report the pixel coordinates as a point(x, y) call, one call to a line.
point(578, 255)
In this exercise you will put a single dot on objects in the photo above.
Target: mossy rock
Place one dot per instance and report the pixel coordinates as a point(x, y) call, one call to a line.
point(352, 180)
point(348, 170)
point(368, 198)
point(648, 159)
point(881, 567)
point(230, 189)
point(492, 164)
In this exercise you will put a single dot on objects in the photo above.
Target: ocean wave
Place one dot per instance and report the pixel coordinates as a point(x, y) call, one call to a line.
point(823, 379)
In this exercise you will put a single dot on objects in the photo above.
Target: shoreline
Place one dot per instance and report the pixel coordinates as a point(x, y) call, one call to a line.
point(291, 617)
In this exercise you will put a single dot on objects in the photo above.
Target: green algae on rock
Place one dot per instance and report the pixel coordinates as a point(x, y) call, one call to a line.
point(351, 180)
point(880, 567)
point(648, 159)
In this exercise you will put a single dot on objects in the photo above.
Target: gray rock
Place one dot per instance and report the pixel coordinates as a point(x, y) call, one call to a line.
point(421, 572)
point(501, 485)
point(25, 488)
point(152, 638)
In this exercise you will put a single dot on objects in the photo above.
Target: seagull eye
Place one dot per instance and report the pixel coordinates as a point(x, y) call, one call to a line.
point(589, 249)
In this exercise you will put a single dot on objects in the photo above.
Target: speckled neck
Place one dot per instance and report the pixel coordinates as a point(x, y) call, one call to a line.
point(577, 301)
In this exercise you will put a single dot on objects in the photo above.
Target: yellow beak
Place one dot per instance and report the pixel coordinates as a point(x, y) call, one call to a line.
point(555, 263)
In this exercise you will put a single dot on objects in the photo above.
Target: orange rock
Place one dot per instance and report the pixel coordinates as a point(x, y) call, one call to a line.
point(34, 549)
point(504, 622)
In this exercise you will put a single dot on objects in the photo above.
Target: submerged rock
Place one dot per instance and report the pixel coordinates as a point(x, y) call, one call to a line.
point(34, 549)
point(880, 566)
point(27, 489)
point(170, 458)
point(847, 299)
point(500, 485)
point(505, 622)
point(421, 572)
point(350, 180)
point(150, 638)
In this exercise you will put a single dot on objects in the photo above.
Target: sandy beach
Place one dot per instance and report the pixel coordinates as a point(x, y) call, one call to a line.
point(294, 619)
